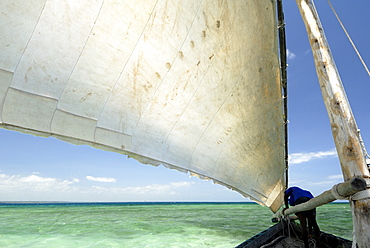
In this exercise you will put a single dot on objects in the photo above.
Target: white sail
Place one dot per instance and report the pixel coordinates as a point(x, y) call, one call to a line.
point(193, 85)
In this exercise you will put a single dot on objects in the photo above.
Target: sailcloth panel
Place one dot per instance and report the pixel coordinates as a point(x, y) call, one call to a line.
point(190, 84)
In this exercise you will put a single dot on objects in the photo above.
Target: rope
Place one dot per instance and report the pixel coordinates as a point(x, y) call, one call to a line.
point(273, 242)
point(284, 80)
point(312, 242)
point(362, 143)
point(364, 194)
point(349, 38)
point(335, 193)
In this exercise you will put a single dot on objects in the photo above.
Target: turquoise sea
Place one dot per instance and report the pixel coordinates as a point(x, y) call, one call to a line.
point(147, 224)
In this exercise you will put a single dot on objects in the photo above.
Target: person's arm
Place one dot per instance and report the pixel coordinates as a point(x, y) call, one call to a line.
point(286, 196)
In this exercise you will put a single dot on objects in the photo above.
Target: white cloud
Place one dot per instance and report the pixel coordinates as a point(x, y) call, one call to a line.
point(32, 183)
point(101, 179)
point(297, 158)
point(36, 179)
point(158, 188)
point(290, 55)
point(328, 182)
point(336, 177)
point(148, 189)
point(181, 184)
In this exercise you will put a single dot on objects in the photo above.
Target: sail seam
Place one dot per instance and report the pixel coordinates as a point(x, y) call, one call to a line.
point(77, 115)
point(112, 130)
point(236, 128)
point(31, 93)
point(20, 59)
point(5, 93)
point(33, 31)
point(217, 110)
point(172, 62)
point(124, 66)
point(200, 83)
point(74, 66)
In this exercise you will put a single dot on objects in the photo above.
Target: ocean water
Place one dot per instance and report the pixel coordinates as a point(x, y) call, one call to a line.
point(147, 225)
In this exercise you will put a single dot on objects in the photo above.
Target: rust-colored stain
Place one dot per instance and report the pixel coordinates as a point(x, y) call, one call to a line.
point(204, 34)
point(352, 159)
point(192, 44)
point(147, 86)
point(26, 77)
point(168, 65)
point(362, 208)
point(228, 130)
point(335, 104)
point(210, 57)
point(349, 151)
point(85, 97)
point(334, 129)
point(218, 23)
point(181, 55)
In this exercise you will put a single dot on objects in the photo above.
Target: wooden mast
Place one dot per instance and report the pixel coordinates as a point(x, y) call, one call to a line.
point(343, 124)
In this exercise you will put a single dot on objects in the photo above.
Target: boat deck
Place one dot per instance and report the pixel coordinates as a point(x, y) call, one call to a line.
point(284, 235)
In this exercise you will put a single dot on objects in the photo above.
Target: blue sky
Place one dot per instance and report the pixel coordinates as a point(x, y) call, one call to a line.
point(46, 169)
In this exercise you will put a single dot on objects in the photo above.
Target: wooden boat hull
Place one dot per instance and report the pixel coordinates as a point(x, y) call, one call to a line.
point(284, 235)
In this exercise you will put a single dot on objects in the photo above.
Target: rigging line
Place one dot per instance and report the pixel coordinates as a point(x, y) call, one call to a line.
point(283, 69)
point(362, 144)
point(349, 38)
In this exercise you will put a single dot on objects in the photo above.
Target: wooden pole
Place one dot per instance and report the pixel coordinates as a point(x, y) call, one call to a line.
point(343, 124)
point(343, 189)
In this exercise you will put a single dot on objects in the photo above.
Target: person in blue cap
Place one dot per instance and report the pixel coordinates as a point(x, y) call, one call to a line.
point(297, 196)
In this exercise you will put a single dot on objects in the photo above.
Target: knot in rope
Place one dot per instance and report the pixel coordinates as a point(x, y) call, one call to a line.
point(364, 194)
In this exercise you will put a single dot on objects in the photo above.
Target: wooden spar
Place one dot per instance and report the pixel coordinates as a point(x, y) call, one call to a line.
point(343, 189)
point(343, 124)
